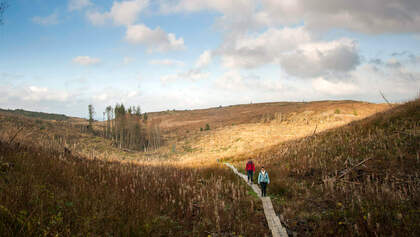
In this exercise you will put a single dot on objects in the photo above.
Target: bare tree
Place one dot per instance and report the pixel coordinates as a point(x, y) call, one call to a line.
point(91, 114)
point(128, 128)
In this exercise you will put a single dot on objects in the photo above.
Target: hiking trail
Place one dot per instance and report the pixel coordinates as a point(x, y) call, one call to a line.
point(277, 230)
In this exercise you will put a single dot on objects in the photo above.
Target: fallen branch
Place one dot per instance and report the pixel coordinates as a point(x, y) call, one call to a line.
point(352, 168)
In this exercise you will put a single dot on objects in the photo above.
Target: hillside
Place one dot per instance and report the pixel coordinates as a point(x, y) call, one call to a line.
point(303, 145)
point(39, 115)
point(360, 179)
point(47, 193)
point(182, 122)
point(233, 129)
point(246, 128)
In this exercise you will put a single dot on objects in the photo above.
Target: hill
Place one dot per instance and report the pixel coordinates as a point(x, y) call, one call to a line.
point(233, 129)
point(244, 128)
point(360, 179)
point(39, 115)
point(183, 122)
point(306, 147)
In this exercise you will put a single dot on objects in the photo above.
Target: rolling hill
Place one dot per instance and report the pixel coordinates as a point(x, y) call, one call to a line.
point(337, 167)
point(360, 179)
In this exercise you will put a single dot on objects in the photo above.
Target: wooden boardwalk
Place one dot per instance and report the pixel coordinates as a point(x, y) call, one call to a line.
point(277, 230)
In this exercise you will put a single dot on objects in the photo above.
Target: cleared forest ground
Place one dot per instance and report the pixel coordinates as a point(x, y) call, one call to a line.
point(361, 179)
point(304, 146)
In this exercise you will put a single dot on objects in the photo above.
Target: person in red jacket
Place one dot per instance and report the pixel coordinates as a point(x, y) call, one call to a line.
point(250, 169)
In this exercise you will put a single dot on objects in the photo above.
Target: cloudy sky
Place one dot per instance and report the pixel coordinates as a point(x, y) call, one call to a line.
point(59, 56)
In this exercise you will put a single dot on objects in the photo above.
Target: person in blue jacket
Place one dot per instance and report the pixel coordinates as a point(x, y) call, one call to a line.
point(263, 180)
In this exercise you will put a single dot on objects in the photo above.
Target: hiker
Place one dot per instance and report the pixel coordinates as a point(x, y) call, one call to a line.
point(250, 169)
point(263, 180)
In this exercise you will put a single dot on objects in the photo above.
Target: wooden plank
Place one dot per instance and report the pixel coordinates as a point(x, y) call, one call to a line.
point(277, 229)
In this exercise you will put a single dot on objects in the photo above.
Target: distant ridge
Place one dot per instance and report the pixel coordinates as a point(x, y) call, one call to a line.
point(40, 115)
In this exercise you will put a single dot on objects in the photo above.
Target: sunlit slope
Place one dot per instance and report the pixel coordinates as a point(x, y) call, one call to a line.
point(362, 179)
point(284, 122)
point(233, 130)
point(187, 121)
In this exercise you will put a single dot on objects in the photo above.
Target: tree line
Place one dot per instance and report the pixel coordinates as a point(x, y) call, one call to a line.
point(128, 128)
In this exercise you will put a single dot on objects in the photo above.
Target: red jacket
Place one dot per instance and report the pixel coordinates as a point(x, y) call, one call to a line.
point(250, 166)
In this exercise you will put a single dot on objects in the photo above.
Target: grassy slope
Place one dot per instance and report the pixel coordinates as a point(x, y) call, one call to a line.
point(50, 194)
point(297, 121)
point(380, 197)
point(247, 119)
point(179, 122)
point(254, 125)
point(39, 115)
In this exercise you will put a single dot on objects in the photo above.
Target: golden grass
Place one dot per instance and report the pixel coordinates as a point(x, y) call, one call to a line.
point(245, 138)
point(271, 133)
point(362, 179)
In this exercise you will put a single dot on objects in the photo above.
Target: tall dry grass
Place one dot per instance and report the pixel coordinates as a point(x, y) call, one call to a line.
point(51, 194)
point(359, 180)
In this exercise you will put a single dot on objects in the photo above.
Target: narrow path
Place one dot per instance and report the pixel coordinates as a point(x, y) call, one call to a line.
point(277, 230)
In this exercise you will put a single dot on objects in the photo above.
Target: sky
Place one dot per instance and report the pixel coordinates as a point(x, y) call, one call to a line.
point(60, 56)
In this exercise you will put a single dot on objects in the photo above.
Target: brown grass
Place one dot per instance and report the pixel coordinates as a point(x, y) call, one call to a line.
point(272, 129)
point(48, 193)
point(302, 168)
point(319, 188)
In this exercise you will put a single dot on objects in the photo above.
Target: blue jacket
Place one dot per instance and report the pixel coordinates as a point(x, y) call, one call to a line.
point(263, 178)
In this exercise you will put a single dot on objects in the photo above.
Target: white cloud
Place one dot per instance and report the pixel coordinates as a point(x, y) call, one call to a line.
point(47, 20)
point(393, 62)
point(204, 59)
point(86, 60)
point(373, 16)
point(96, 18)
point(192, 74)
point(230, 21)
point(233, 80)
point(168, 62)
point(121, 13)
point(398, 83)
point(126, 13)
point(127, 60)
point(321, 58)
point(217, 5)
point(155, 39)
point(338, 88)
point(249, 51)
point(32, 94)
point(169, 78)
point(196, 73)
point(294, 49)
point(109, 95)
point(78, 4)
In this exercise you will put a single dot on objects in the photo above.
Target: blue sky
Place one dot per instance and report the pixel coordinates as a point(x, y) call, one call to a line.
point(60, 56)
